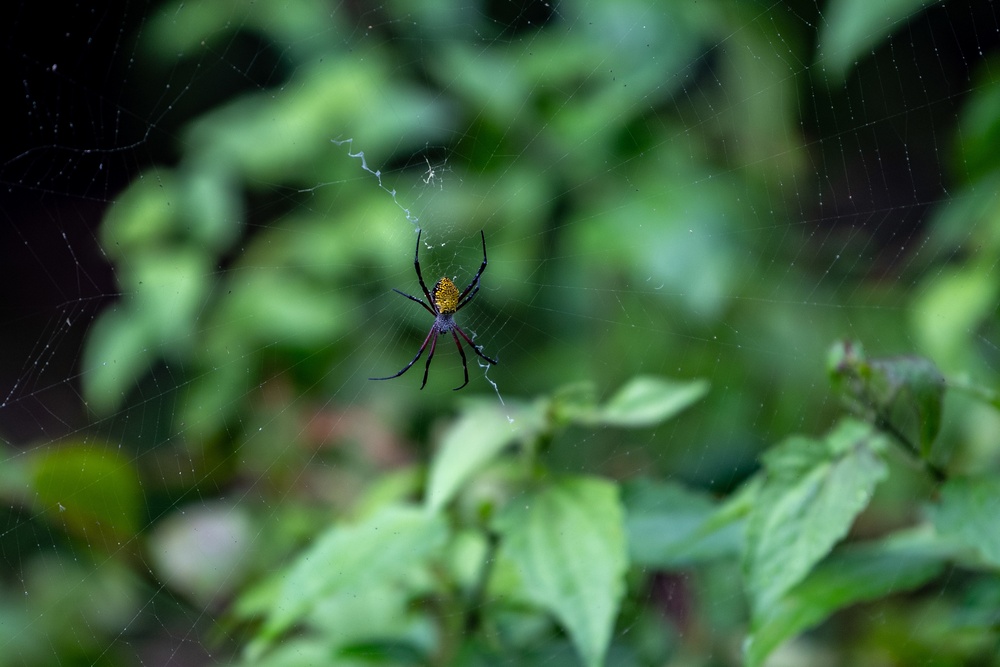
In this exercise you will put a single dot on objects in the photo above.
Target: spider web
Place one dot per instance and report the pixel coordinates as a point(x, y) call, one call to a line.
point(206, 209)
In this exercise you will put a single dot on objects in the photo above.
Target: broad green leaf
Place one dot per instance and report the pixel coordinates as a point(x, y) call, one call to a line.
point(568, 545)
point(852, 28)
point(92, 491)
point(969, 513)
point(812, 491)
point(351, 559)
point(647, 401)
point(856, 574)
point(670, 526)
point(478, 436)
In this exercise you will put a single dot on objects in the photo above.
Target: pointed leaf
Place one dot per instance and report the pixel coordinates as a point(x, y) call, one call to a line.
point(860, 573)
point(471, 443)
point(352, 558)
point(812, 491)
point(647, 401)
point(568, 545)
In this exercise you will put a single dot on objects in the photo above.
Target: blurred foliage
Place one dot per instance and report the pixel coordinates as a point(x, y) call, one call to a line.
point(664, 283)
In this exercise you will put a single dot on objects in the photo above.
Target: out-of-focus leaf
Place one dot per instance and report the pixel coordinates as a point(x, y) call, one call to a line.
point(673, 241)
point(856, 574)
point(203, 551)
point(851, 28)
point(670, 526)
point(144, 216)
point(474, 440)
point(968, 513)
point(347, 560)
point(211, 398)
point(904, 394)
point(118, 352)
point(181, 27)
point(268, 306)
point(568, 546)
point(167, 290)
point(92, 491)
point(812, 491)
point(978, 130)
point(950, 306)
point(212, 208)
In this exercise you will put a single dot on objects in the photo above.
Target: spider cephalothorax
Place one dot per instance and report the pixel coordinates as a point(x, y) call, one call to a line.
point(443, 302)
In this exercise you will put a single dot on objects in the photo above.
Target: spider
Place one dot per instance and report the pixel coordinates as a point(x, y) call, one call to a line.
point(443, 302)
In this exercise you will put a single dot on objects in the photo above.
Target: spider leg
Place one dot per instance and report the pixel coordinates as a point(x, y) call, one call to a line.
point(413, 298)
point(416, 266)
point(465, 365)
point(482, 267)
point(475, 348)
point(462, 304)
point(427, 366)
point(432, 332)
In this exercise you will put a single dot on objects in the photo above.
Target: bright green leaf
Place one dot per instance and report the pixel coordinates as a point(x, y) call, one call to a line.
point(478, 436)
point(857, 574)
point(812, 491)
point(117, 354)
point(647, 401)
point(351, 559)
point(568, 546)
point(969, 513)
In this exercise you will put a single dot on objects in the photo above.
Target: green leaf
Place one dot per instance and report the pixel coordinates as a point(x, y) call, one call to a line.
point(568, 546)
point(852, 28)
point(812, 491)
point(904, 395)
point(670, 526)
point(478, 436)
point(647, 401)
point(968, 513)
point(853, 575)
point(118, 352)
point(92, 491)
point(348, 560)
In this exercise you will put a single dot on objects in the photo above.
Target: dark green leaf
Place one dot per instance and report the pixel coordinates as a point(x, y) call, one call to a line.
point(670, 526)
point(92, 491)
point(852, 28)
point(903, 395)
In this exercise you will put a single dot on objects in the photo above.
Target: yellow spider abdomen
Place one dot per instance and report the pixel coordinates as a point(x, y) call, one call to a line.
point(445, 296)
